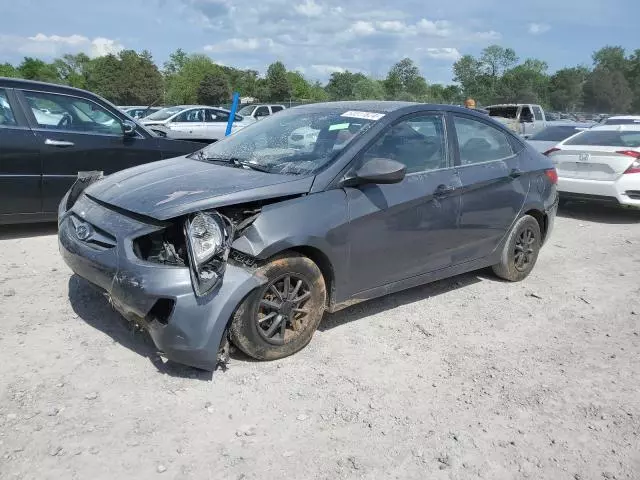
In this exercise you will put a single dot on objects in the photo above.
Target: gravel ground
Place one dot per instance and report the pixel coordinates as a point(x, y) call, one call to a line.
point(465, 378)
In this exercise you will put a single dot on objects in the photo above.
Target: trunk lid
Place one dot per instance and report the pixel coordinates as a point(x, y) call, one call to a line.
point(591, 162)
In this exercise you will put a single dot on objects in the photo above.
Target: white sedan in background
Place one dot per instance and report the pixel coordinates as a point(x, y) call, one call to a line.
point(601, 164)
point(193, 122)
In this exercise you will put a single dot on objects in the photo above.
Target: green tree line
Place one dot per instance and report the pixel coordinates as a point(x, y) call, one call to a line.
point(610, 84)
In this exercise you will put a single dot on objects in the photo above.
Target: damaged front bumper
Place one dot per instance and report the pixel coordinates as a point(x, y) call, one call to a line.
point(96, 242)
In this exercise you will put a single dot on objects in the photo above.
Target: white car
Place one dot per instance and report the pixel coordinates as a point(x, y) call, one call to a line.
point(193, 122)
point(303, 138)
point(601, 164)
point(256, 112)
point(621, 120)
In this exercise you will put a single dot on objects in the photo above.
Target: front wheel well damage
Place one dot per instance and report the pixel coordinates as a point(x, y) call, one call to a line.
point(325, 266)
point(542, 219)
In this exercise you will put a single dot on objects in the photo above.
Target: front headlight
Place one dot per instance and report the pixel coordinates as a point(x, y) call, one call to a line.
point(209, 236)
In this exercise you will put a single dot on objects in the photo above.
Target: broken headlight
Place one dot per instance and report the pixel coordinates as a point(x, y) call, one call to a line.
point(209, 236)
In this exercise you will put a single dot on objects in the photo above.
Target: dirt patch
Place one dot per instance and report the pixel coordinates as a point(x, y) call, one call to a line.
point(465, 378)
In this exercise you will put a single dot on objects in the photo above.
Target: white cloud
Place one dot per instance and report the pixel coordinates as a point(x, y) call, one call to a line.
point(70, 40)
point(538, 28)
point(391, 26)
point(104, 46)
point(309, 9)
point(489, 36)
point(445, 53)
point(234, 45)
point(363, 28)
point(53, 45)
point(327, 69)
point(326, 36)
point(439, 28)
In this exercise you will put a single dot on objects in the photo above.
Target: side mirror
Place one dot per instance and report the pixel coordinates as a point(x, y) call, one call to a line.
point(128, 128)
point(378, 171)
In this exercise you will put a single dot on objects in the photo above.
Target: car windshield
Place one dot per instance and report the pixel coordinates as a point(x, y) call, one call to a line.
point(554, 134)
point(248, 110)
point(165, 113)
point(606, 138)
point(296, 141)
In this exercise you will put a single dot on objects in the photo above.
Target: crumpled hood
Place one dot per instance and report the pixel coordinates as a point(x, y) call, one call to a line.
point(174, 187)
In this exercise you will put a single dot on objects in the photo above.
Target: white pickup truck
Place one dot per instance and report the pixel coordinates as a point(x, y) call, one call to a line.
point(523, 118)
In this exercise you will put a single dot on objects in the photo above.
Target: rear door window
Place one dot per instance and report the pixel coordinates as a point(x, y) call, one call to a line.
point(479, 142)
point(276, 108)
point(216, 116)
point(190, 116)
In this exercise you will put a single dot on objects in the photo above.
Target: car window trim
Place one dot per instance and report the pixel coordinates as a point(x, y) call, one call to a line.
point(35, 126)
point(457, 145)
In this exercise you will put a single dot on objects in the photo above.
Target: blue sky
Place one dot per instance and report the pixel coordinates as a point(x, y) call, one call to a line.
point(321, 36)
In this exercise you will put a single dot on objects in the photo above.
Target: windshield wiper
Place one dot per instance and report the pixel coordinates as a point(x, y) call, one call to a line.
point(236, 162)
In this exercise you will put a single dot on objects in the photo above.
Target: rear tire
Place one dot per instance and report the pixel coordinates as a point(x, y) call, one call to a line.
point(280, 318)
point(520, 251)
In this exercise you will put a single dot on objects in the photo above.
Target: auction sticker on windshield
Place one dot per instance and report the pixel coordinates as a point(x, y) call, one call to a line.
point(363, 115)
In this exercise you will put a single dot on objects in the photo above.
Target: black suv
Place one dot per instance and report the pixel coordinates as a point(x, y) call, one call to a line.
point(49, 133)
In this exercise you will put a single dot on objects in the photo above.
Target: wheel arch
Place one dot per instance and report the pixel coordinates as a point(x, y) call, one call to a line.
point(541, 218)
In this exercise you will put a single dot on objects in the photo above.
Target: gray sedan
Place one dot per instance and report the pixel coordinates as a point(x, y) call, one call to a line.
point(250, 241)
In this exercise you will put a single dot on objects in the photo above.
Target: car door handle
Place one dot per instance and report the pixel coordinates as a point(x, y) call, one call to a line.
point(515, 173)
point(58, 143)
point(442, 190)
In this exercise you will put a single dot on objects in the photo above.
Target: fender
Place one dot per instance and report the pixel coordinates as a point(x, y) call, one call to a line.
point(319, 221)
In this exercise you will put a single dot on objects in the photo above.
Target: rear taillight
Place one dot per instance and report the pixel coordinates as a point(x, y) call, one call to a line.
point(629, 153)
point(551, 150)
point(552, 175)
point(635, 166)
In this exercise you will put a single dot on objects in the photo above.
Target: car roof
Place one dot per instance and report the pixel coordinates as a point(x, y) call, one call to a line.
point(569, 124)
point(6, 82)
point(624, 117)
point(511, 105)
point(368, 105)
point(619, 128)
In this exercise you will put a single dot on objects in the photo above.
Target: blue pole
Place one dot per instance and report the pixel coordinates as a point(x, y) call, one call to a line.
point(232, 114)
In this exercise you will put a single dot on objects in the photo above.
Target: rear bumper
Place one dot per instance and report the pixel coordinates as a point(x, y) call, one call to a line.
point(192, 330)
point(622, 191)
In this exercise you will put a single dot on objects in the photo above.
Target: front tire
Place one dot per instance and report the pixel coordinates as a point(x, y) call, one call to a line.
point(280, 318)
point(520, 251)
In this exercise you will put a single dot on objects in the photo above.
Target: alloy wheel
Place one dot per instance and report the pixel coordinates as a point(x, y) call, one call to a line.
point(281, 314)
point(524, 252)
